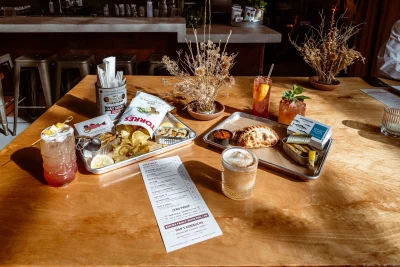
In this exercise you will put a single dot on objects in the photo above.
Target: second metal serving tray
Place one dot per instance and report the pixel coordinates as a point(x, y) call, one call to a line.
point(168, 118)
point(271, 157)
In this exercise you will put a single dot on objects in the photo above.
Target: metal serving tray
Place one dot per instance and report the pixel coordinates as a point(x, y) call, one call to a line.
point(272, 157)
point(168, 118)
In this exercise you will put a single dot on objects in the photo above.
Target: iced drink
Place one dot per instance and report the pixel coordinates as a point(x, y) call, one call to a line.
point(239, 169)
point(57, 147)
point(261, 95)
point(288, 110)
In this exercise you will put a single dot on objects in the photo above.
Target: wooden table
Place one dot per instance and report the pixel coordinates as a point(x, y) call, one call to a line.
point(349, 216)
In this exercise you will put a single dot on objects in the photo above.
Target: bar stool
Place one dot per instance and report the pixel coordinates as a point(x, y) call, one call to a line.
point(155, 63)
point(42, 62)
point(3, 114)
point(4, 59)
point(82, 62)
point(127, 63)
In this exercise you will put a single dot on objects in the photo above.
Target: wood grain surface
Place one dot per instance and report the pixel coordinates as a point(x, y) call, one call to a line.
point(349, 216)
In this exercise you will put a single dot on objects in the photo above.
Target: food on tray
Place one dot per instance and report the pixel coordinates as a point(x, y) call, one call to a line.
point(256, 137)
point(134, 141)
point(101, 161)
point(180, 125)
point(222, 136)
point(172, 132)
point(106, 138)
point(301, 153)
point(167, 124)
point(311, 157)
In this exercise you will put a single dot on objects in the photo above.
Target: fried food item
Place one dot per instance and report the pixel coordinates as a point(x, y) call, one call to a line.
point(172, 132)
point(256, 137)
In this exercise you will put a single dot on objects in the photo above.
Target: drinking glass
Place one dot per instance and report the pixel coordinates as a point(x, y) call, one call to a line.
point(59, 158)
point(239, 170)
point(288, 110)
point(261, 95)
point(390, 124)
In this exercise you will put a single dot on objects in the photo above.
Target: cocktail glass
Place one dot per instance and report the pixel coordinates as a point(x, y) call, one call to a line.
point(288, 110)
point(59, 158)
point(239, 170)
point(261, 95)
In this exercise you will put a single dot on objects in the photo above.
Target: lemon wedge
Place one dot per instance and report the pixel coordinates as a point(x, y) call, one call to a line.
point(100, 161)
point(180, 125)
point(167, 124)
point(311, 157)
point(47, 132)
point(262, 91)
point(60, 125)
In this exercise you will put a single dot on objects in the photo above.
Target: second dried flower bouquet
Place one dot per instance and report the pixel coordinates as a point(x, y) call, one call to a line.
point(327, 52)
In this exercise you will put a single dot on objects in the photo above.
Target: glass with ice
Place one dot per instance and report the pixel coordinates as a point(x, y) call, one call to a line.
point(261, 94)
point(239, 170)
point(57, 147)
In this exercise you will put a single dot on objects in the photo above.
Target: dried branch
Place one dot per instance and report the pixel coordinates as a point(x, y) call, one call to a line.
point(327, 51)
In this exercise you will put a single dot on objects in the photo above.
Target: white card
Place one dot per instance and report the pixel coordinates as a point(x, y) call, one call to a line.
point(389, 99)
point(95, 126)
point(181, 213)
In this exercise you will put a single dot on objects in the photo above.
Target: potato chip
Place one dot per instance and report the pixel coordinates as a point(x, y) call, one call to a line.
point(125, 134)
point(139, 138)
point(124, 150)
point(119, 158)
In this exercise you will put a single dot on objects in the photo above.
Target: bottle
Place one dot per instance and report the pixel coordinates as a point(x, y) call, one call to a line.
point(133, 10)
point(106, 11)
point(116, 8)
point(122, 10)
point(149, 9)
point(128, 10)
point(170, 7)
point(51, 7)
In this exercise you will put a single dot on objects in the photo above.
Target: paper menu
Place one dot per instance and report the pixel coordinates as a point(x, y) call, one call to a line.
point(389, 99)
point(181, 213)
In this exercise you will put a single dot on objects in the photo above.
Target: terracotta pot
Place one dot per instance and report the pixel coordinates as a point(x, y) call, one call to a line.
point(325, 87)
point(219, 110)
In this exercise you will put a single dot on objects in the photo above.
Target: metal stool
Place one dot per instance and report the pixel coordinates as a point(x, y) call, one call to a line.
point(127, 63)
point(4, 59)
point(3, 114)
point(81, 62)
point(155, 63)
point(42, 62)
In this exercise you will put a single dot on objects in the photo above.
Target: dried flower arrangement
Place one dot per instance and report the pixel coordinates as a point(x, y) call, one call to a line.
point(199, 76)
point(327, 52)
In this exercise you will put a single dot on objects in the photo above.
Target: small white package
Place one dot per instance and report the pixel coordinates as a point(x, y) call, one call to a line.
point(95, 126)
point(320, 132)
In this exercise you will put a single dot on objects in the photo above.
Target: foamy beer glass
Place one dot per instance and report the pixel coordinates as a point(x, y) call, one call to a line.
point(239, 170)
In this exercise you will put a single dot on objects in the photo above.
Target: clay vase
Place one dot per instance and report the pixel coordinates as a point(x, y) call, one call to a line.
point(313, 81)
point(218, 111)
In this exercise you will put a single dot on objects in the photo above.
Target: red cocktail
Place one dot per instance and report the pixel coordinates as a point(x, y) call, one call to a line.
point(58, 152)
point(261, 95)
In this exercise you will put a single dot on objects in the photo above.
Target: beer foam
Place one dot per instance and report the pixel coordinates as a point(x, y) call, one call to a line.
point(60, 135)
point(238, 157)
